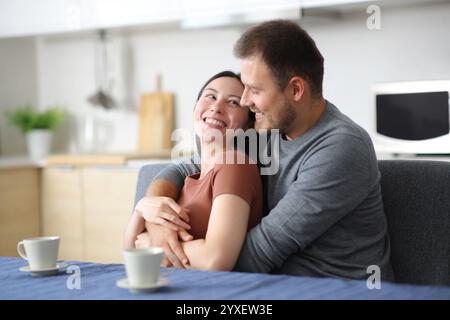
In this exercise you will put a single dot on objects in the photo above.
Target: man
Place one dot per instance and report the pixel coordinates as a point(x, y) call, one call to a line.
point(325, 211)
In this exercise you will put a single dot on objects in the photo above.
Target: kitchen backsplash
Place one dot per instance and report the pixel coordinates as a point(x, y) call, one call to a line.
point(105, 131)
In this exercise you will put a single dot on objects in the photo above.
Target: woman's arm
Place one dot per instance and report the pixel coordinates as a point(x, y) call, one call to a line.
point(135, 226)
point(227, 228)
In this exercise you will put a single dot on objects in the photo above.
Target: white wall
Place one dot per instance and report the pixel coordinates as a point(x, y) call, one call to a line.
point(185, 59)
point(411, 45)
point(18, 85)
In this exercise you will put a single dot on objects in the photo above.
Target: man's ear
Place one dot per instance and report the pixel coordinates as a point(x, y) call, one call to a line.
point(296, 87)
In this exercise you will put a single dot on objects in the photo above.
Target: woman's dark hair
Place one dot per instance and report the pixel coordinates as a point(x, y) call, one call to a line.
point(288, 51)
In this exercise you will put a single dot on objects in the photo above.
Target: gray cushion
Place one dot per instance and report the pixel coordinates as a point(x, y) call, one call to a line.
point(416, 198)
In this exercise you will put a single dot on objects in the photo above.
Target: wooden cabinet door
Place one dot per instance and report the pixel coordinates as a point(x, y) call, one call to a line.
point(62, 210)
point(108, 196)
point(19, 207)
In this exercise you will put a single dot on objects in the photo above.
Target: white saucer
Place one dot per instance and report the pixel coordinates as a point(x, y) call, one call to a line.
point(45, 271)
point(123, 283)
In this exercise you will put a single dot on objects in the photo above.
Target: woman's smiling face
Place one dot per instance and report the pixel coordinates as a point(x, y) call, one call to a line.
point(219, 107)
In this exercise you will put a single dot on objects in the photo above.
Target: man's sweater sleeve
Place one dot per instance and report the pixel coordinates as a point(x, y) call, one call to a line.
point(330, 183)
point(177, 171)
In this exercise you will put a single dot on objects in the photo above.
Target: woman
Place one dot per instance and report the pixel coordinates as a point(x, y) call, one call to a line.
point(224, 199)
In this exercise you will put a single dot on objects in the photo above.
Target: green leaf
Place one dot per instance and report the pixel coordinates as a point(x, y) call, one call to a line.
point(26, 118)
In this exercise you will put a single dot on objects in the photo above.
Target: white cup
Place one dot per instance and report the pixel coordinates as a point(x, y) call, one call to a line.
point(143, 265)
point(41, 252)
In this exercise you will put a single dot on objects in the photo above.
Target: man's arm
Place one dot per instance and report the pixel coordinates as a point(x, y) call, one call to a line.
point(160, 235)
point(168, 183)
point(330, 184)
point(150, 208)
point(176, 173)
point(135, 226)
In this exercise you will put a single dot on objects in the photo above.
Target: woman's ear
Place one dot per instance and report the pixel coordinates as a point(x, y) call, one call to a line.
point(296, 88)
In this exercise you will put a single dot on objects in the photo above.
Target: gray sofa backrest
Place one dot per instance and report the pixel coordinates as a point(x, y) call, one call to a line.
point(416, 197)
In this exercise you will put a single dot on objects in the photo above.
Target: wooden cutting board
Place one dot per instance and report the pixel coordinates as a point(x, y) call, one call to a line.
point(156, 121)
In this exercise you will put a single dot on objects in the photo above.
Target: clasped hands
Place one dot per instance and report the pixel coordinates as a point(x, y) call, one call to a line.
point(166, 223)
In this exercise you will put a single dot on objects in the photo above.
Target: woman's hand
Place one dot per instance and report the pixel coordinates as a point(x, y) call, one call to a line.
point(163, 211)
point(142, 241)
point(171, 247)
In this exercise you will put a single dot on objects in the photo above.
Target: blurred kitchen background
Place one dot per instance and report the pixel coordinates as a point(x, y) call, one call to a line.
point(49, 52)
point(61, 52)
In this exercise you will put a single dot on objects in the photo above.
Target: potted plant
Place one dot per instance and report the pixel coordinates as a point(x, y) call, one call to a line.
point(37, 126)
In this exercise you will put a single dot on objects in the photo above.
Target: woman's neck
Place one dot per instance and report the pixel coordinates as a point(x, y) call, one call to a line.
point(209, 156)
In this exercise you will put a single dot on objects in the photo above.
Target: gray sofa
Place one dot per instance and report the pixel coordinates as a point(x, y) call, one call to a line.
point(416, 197)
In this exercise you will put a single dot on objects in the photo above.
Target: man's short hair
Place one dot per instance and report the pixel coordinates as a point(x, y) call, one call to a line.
point(288, 51)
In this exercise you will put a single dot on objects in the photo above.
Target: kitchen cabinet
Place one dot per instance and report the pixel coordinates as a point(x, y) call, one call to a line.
point(88, 207)
point(19, 206)
point(108, 197)
point(62, 210)
point(30, 17)
point(76, 197)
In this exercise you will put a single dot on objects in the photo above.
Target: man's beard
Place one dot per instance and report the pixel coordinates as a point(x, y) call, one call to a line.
point(285, 118)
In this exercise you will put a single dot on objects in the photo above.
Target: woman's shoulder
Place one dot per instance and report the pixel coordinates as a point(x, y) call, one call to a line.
point(234, 160)
point(236, 167)
point(237, 175)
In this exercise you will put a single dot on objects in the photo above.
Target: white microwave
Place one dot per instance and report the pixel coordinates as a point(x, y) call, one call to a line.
point(412, 117)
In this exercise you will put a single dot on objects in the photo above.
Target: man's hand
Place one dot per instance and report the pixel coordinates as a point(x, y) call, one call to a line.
point(168, 240)
point(165, 223)
point(158, 199)
point(163, 211)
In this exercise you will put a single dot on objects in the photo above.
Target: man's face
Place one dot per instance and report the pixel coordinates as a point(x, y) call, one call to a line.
point(264, 97)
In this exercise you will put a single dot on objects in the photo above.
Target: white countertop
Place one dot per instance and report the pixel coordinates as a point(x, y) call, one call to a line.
point(19, 162)
point(9, 162)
